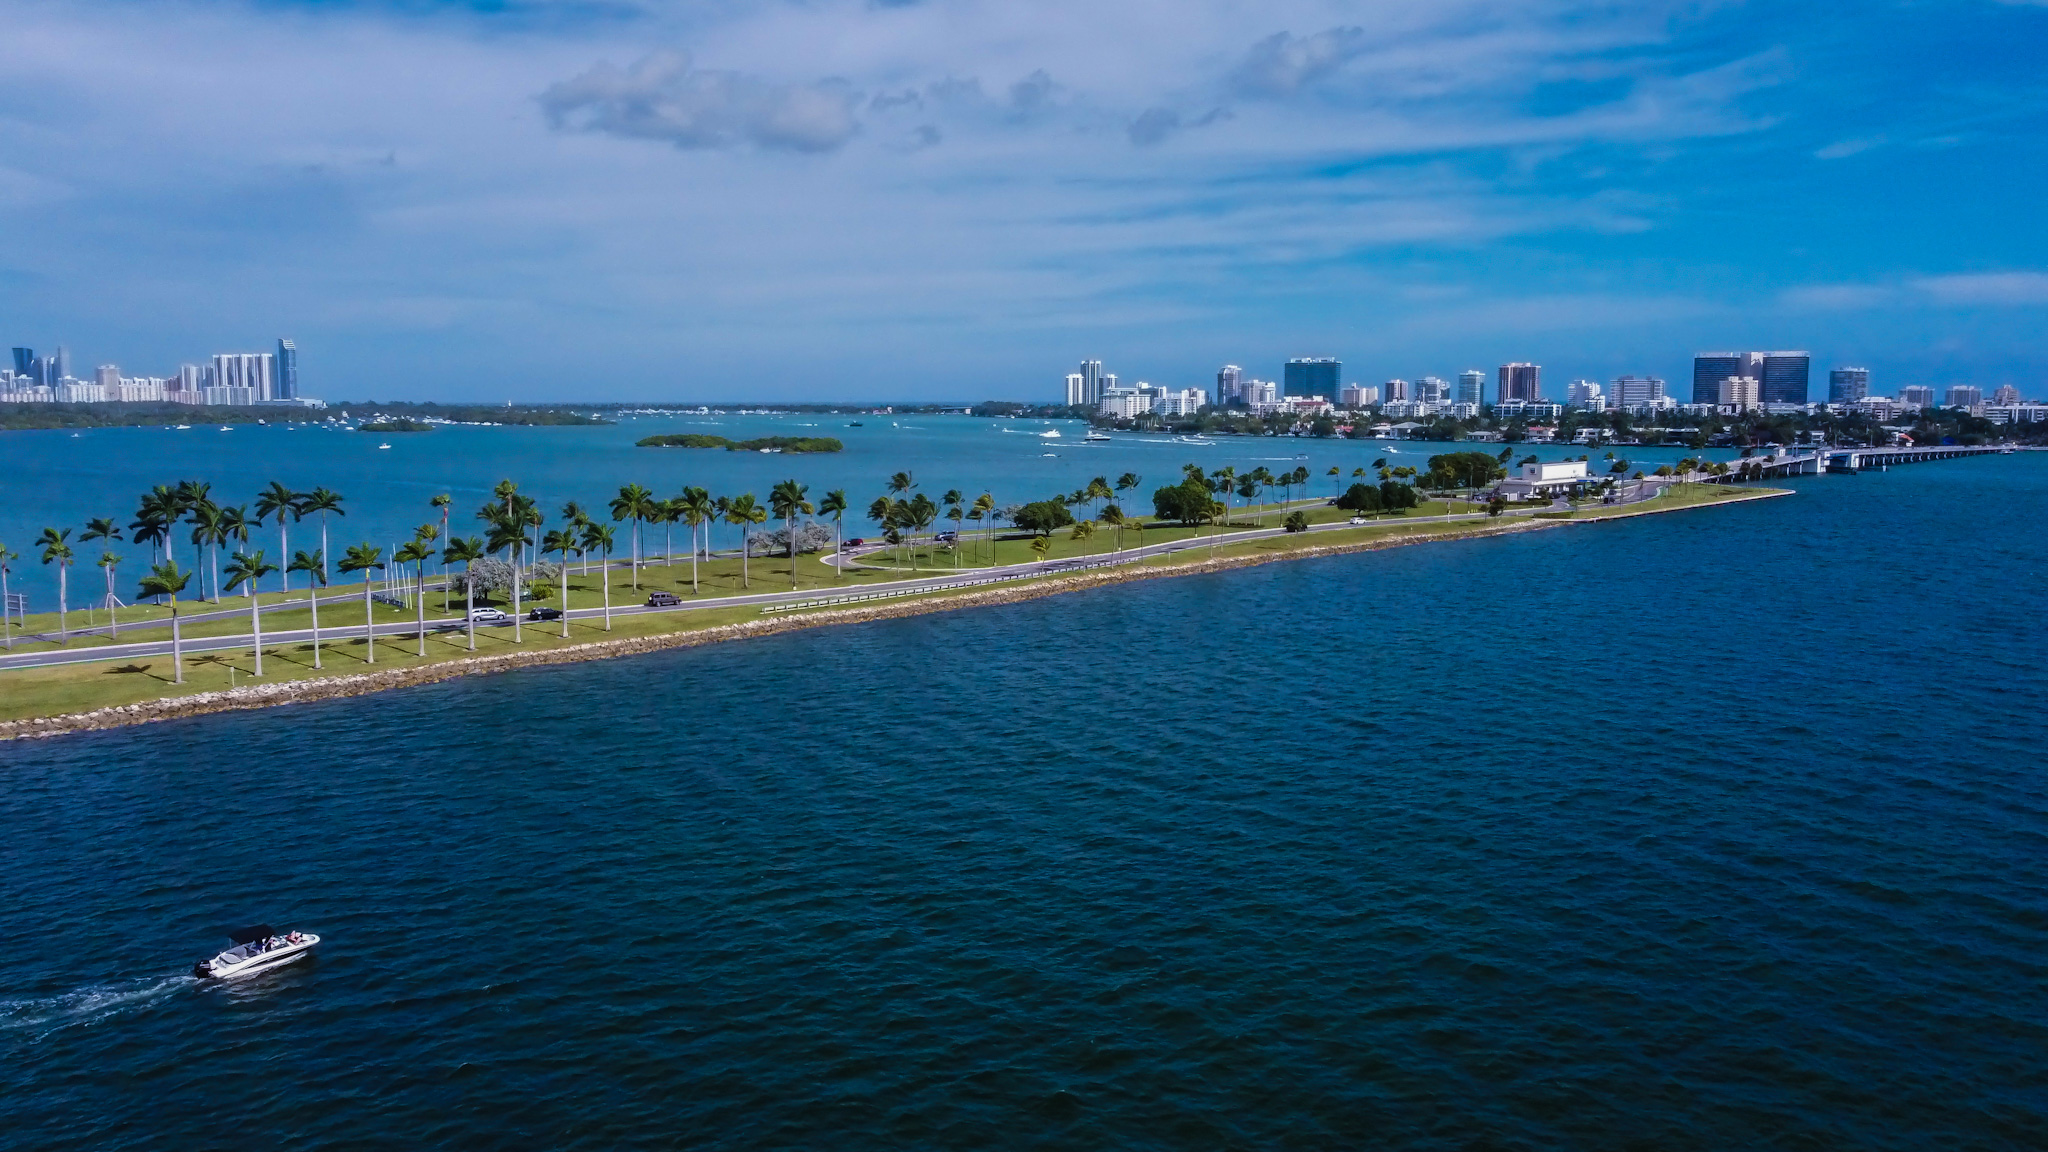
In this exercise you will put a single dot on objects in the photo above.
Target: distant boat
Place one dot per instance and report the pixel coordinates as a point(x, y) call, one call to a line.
point(855, 424)
point(182, 427)
point(1052, 434)
point(1095, 437)
point(383, 445)
point(225, 428)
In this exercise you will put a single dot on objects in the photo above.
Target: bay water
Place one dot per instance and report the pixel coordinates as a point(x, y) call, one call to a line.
point(1716, 829)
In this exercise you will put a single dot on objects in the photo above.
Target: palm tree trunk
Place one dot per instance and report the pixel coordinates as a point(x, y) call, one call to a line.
point(693, 557)
point(369, 623)
point(469, 599)
point(744, 583)
point(284, 552)
point(791, 523)
point(420, 603)
point(515, 598)
point(316, 616)
point(113, 617)
point(63, 628)
point(256, 628)
point(565, 595)
point(177, 647)
point(6, 621)
point(606, 568)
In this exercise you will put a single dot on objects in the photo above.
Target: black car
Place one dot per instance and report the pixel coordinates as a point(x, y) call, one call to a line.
point(545, 614)
point(663, 600)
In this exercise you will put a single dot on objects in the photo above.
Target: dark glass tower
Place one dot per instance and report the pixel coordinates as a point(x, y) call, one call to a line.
point(1709, 369)
point(1784, 378)
point(24, 361)
point(1311, 376)
point(285, 385)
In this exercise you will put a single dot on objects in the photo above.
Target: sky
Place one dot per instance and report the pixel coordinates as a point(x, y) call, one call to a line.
point(961, 199)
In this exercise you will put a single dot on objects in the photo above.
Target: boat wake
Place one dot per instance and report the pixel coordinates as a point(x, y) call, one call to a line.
point(36, 1017)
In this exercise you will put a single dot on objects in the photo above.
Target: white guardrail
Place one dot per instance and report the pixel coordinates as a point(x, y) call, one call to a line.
point(1056, 567)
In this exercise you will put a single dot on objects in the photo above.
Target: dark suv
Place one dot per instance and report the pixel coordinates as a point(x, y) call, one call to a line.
point(545, 614)
point(663, 600)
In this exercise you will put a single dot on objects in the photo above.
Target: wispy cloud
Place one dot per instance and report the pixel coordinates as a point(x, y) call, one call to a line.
point(661, 97)
point(2002, 288)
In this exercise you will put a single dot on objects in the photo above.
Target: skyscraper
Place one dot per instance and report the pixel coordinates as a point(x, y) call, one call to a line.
point(1631, 391)
point(251, 370)
point(1472, 387)
point(1710, 368)
point(1312, 376)
point(1433, 390)
point(1783, 380)
point(1229, 386)
point(1395, 390)
point(24, 361)
point(1965, 396)
point(62, 364)
point(1848, 385)
point(1519, 381)
point(1916, 396)
point(285, 386)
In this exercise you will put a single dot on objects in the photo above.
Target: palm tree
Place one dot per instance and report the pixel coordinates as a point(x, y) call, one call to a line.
point(105, 529)
point(277, 502)
point(441, 500)
point(323, 501)
point(698, 510)
point(234, 525)
point(575, 517)
point(921, 513)
point(417, 551)
point(247, 568)
point(166, 580)
point(883, 512)
point(901, 483)
point(598, 538)
point(633, 503)
point(6, 598)
point(363, 558)
point(666, 513)
point(1114, 517)
point(57, 550)
point(1098, 491)
point(745, 513)
point(1248, 487)
point(562, 540)
point(787, 499)
point(1083, 531)
point(106, 562)
point(209, 531)
point(985, 506)
point(466, 551)
point(834, 505)
point(315, 568)
point(508, 533)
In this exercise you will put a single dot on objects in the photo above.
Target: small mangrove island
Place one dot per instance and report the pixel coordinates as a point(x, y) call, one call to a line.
point(764, 444)
point(402, 424)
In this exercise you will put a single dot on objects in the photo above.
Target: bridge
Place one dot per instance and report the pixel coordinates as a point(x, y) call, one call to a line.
point(1853, 460)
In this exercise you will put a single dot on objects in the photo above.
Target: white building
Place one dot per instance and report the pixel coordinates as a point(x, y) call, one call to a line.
point(1529, 410)
point(1395, 389)
point(1916, 396)
point(250, 371)
point(1359, 396)
point(2016, 413)
point(1432, 390)
point(1586, 394)
point(2006, 395)
point(1544, 480)
point(1631, 391)
point(1737, 393)
point(1180, 401)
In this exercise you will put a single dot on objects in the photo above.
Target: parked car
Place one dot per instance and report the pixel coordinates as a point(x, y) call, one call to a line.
point(1358, 519)
point(663, 600)
point(489, 616)
point(856, 542)
point(545, 614)
point(947, 537)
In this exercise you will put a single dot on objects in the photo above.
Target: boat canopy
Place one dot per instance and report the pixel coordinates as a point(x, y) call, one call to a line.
point(251, 934)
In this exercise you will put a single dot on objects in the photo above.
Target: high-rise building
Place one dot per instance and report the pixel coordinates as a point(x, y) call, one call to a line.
point(2006, 395)
point(1229, 386)
point(1432, 390)
point(1848, 385)
point(1089, 386)
point(1710, 368)
point(1519, 381)
point(47, 373)
point(1311, 376)
point(1965, 396)
point(24, 361)
point(1634, 391)
point(1359, 396)
point(1916, 397)
point(1395, 390)
point(250, 371)
point(1737, 392)
point(108, 376)
point(1784, 378)
point(1472, 387)
point(61, 363)
point(1585, 394)
point(286, 384)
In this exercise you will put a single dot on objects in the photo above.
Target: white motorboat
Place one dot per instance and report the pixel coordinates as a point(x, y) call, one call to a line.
point(1096, 437)
point(257, 948)
point(1054, 434)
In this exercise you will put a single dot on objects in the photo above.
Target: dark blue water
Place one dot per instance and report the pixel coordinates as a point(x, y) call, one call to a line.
point(1715, 830)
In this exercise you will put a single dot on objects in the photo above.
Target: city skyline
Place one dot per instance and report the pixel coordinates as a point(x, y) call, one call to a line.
point(532, 201)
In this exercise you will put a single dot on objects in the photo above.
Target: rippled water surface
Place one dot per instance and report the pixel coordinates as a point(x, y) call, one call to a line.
point(1714, 830)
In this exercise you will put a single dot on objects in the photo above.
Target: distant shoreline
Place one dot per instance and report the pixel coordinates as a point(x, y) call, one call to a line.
point(366, 683)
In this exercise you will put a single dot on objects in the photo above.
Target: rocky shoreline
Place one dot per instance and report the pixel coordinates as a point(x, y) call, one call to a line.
point(364, 683)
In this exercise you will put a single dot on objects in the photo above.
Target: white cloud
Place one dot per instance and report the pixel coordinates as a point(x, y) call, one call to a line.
point(661, 97)
point(1998, 288)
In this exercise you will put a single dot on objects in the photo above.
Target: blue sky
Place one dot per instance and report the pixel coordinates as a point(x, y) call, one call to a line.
point(843, 200)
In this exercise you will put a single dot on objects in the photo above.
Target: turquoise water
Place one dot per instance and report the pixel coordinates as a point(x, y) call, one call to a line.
point(61, 479)
point(1715, 830)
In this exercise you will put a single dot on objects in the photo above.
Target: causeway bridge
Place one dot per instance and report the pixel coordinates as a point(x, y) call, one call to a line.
point(1848, 461)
